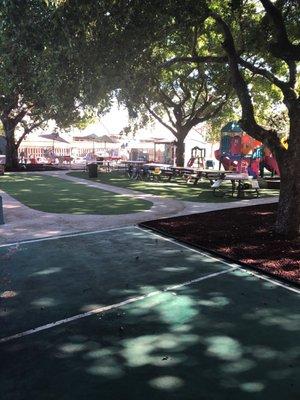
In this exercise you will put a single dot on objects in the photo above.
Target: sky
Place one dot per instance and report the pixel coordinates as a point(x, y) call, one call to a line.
point(114, 121)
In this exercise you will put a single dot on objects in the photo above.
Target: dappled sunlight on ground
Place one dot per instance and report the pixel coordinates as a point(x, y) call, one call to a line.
point(176, 189)
point(54, 195)
point(230, 336)
point(245, 235)
point(159, 352)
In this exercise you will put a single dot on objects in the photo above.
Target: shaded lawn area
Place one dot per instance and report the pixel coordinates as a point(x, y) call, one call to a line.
point(242, 234)
point(54, 195)
point(176, 189)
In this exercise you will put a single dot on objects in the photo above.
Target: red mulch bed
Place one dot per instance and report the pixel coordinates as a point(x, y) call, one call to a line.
point(243, 235)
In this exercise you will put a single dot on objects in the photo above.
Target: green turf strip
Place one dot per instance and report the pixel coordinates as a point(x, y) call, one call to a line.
point(54, 195)
point(177, 188)
point(233, 337)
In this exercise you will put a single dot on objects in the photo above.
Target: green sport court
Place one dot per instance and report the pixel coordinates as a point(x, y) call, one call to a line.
point(128, 314)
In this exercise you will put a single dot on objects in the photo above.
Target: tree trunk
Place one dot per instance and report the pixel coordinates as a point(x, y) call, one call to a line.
point(11, 148)
point(288, 216)
point(180, 151)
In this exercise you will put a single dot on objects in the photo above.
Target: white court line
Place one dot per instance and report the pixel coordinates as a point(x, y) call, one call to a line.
point(257, 274)
point(237, 266)
point(139, 298)
point(67, 235)
point(273, 281)
point(112, 306)
point(187, 247)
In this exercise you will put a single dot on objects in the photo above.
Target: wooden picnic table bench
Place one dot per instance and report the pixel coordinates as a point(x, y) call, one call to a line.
point(240, 184)
point(209, 174)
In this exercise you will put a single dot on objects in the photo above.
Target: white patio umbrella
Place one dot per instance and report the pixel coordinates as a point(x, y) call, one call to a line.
point(54, 137)
point(98, 139)
point(106, 139)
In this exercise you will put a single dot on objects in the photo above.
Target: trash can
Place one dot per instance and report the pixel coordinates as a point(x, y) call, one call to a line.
point(2, 163)
point(209, 164)
point(93, 170)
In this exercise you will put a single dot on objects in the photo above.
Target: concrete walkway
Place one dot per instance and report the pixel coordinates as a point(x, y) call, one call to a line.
point(24, 223)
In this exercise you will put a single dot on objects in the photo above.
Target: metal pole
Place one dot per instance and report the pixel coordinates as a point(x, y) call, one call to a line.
point(1, 212)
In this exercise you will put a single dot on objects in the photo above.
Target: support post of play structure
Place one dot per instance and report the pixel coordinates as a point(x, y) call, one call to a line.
point(1, 212)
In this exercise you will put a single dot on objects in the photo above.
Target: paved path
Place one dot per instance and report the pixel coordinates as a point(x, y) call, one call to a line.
point(22, 222)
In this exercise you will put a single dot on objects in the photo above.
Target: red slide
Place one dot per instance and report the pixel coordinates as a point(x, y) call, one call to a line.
point(271, 164)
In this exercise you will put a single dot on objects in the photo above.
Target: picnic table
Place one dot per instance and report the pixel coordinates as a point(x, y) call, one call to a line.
point(153, 165)
point(193, 175)
point(134, 169)
point(240, 183)
point(134, 162)
point(187, 172)
point(158, 169)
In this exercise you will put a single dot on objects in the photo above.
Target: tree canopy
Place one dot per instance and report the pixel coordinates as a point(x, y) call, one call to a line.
point(256, 42)
point(132, 49)
point(41, 73)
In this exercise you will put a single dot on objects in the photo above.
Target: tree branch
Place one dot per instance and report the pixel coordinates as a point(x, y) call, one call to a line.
point(196, 99)
point(166, 98)
point(194, 59)
point(27, 131)
point(177, 111)
point(195, 40)
point(186, 92)
point(283, 48)
point(284, 86)
point(173, 123)
point(166, 105)
point(159, 119)
point(293, 73)
point(19, 117)
point(248, 121)
point(216, 111)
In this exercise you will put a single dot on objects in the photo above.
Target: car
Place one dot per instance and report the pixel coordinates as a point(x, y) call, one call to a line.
point(79, 160)
point(41, 160)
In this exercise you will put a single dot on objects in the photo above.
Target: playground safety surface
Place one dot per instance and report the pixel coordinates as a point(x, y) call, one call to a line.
point(128, 314)
point(242, 235)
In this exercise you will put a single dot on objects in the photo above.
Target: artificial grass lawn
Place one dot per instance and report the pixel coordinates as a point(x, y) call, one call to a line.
point(177, 188)
point(54, 195)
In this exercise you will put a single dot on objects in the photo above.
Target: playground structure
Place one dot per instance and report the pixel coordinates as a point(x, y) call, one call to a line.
point(197, 158)
point(241, 153)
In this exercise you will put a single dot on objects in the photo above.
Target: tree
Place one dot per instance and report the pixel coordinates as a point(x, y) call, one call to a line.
point(40, 74)
point(256, 42)
point(178, 100)
point(259, 44)
point(271, 52)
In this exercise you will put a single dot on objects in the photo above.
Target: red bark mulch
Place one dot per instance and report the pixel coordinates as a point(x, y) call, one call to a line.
point(243, 235)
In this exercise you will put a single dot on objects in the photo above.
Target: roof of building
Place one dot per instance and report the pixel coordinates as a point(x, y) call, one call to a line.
point(232, 126)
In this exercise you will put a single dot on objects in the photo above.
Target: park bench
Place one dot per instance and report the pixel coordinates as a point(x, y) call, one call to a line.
point(240, 184)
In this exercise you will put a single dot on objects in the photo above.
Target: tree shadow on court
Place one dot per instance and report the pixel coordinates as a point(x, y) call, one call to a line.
point(55, 279)
point(234, 337)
